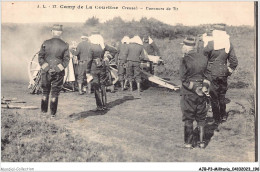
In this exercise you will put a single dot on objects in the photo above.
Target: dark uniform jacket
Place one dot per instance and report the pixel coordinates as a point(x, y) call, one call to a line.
point(135, 52)
point(96, 55)
point(151, 49)
point(217, 60)
point(81, 51)
point(122, 53)
point(192, 69)
point(54, 54)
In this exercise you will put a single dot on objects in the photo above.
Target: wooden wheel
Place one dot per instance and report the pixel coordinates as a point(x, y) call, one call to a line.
point(34, 73)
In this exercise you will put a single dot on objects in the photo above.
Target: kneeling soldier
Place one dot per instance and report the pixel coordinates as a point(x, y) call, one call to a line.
point(194, 87)
point(53, 58)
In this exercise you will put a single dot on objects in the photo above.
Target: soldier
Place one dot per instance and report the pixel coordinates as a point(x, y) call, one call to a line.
point(53, 58)
point(151, 49)
point(96, 68)
point(121, 60)
point(219, 51)
point(135, 53)
point(82, 51)
point(193, 90)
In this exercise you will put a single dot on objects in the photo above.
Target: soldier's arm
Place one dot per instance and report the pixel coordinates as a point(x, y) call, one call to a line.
point(208, 49)
point(111, 49)
point(182, 71)
point(89, 61)
point(156, 49)
point(232, 59)
point(142, 55)
point(207, 78)
point(117, 54)
point(65, 62)
point(41, 59)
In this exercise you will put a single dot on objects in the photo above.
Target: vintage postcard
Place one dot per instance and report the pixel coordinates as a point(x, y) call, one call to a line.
point(129, 82)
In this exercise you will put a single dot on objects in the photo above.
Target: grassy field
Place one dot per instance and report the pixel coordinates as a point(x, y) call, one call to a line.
point(152, 132)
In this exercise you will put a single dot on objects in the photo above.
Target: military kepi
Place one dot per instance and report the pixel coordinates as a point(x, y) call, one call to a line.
point(189, 41)
point(57, 27)
point(221, 26)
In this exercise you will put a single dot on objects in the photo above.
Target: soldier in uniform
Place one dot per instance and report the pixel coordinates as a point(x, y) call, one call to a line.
point(151, 49)
point(82, 51)
point(97, 69)
point(53, 58)
point(193, 90)
point(121, 60)
point(219, 51)
point(135, 53)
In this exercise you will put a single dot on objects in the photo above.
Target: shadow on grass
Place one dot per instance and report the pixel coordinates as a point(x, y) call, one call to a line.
point(208, 133)
point(85, 114)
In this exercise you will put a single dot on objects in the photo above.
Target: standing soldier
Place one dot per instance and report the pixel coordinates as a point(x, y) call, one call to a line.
point(97, 69)
point(193, 90)
point(151, 49)
point(82, 51)
point(135, 53)
point(121, 60)
point(219, 51)
point(53, 58)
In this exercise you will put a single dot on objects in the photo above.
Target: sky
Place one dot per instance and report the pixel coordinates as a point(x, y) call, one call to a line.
point(186, 13)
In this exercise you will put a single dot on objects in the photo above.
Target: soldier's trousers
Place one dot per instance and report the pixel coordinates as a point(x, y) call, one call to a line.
point(52, 84)
point(82, 71)
point(133, 71)
point(218, 91)
point(121, 71)
point(98, 82)
point(194, 108)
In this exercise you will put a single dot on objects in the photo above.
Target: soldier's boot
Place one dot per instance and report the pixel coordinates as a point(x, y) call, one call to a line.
point(188, 134)
point(44, 104)
point(222, 108)
point(53, 106)
point(98, 97)
point(201, 143)
point(131, 85)
point(125, 84)
point(122, 85)
point(104, 97)
point(89, 88)
point(80, 89)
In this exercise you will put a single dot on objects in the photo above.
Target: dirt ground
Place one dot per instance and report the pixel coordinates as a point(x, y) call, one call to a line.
point(146, 128)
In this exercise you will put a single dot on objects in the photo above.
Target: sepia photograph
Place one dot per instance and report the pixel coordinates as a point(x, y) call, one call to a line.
point(126, 82)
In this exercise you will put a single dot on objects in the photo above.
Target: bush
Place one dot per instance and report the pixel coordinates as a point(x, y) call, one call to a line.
point(92, 21)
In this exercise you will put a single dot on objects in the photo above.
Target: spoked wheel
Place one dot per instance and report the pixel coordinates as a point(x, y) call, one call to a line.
point(34, 73)
point(113, 71)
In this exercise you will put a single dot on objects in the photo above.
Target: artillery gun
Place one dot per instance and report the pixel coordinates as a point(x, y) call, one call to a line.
point(34, 73)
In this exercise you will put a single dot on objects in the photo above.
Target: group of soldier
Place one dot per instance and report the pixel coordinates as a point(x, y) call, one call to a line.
point(203, 70)
point(91, 63)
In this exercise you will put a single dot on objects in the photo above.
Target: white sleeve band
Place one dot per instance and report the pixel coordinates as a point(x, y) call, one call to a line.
point(230, 70)
point(45, 65)
point(206, 81)
point(191, 85)
point(60, 67)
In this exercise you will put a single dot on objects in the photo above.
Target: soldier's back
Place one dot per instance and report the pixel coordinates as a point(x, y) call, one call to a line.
point(134, 52)
point(196, 63)
point(55, 47)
